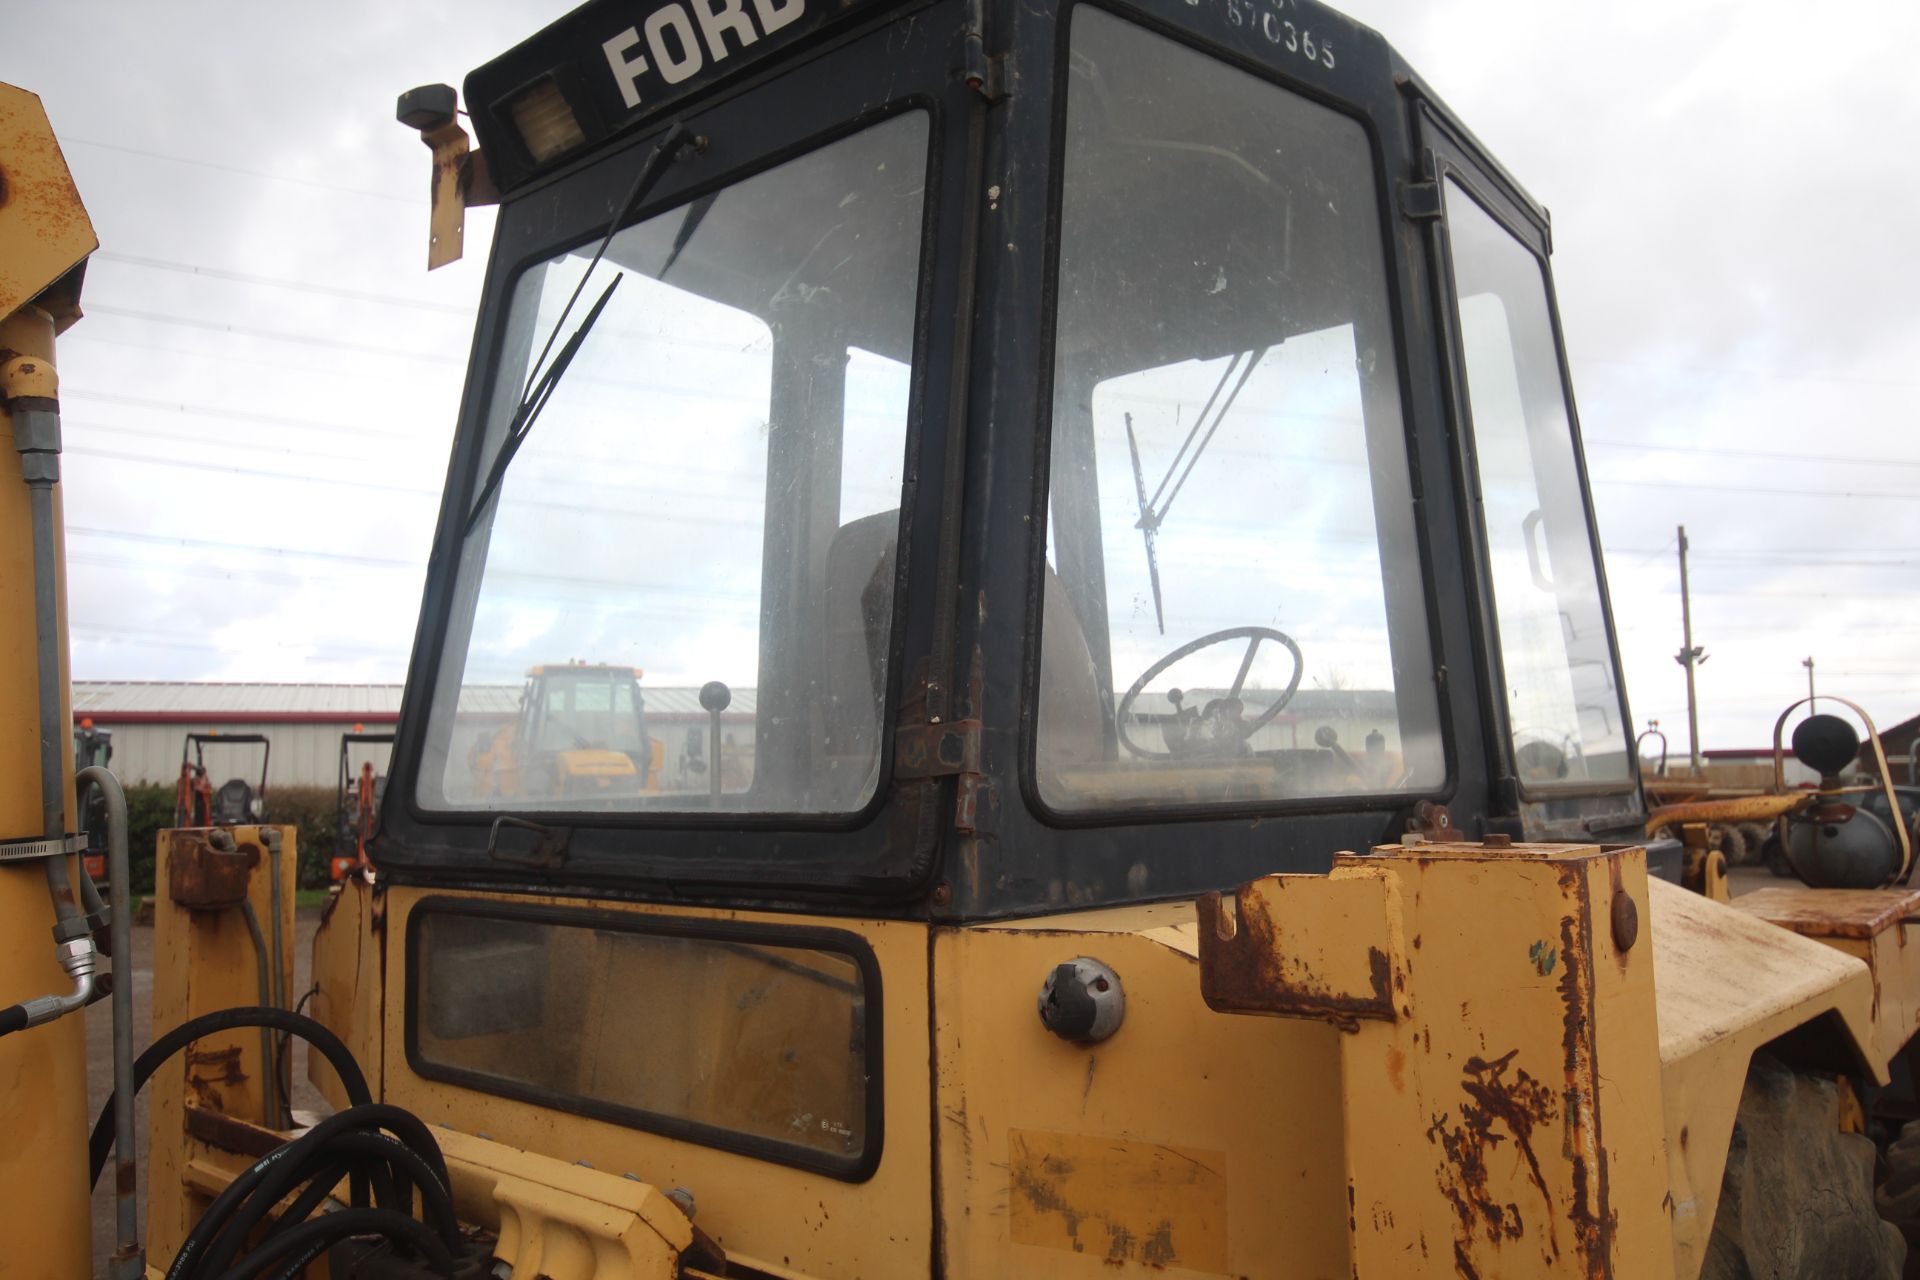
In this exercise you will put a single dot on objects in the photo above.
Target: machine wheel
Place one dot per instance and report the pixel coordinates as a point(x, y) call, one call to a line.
point(1899, 1193)
point(1731, 841)
point(1756, 834)
point(1797, 1202)
point(1775, 856)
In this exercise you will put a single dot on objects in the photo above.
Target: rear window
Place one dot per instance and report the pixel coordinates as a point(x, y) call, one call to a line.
point(764, 1041)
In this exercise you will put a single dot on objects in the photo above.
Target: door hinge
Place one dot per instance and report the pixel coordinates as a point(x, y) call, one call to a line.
point(945, 750)
point(1420, 200)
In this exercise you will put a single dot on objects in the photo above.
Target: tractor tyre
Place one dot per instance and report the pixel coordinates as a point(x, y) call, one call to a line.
point(1774, 855)
point(1899, 1193)
point(1731, 842)
point(1797, 1201)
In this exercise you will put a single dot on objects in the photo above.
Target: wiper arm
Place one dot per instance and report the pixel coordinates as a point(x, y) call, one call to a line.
point(529, 411)
point(1148, 524)
point(541, 384)
point(1153, 511)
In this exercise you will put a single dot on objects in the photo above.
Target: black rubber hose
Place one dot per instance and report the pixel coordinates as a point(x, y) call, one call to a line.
point(351, 1077)
point(323, 1232)
point(279, 1171)
point(385, 1155)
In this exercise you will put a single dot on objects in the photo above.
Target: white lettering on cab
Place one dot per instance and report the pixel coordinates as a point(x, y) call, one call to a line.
point(717, 19)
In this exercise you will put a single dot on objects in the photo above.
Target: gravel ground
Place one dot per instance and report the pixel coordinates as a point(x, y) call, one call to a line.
point(100, 1067)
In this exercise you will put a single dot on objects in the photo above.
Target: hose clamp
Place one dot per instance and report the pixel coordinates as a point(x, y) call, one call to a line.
point(26, 850)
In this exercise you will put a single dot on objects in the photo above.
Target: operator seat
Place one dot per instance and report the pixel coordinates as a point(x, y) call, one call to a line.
point(233, 803)
point(857, 606)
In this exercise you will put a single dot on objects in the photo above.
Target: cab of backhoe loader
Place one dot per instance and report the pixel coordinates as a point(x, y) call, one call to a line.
point(1098, 487)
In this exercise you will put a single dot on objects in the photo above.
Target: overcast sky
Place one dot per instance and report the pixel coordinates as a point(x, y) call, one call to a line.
point(261, 398)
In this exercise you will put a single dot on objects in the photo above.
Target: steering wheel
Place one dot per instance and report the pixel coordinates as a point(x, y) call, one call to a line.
point(1219, 728)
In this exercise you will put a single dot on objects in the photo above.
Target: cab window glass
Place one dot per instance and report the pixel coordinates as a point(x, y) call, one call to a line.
point(736, 1041)
point(1563, 699)
point(706, 512)
point(1233, 608)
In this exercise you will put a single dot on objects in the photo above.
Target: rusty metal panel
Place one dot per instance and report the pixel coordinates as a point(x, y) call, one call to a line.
point(203, 961)
point(1832, 913)
point(1124, 1202)
point(1503, 1117)
point(1302, 946)
point(44, 229)
point(204, 878)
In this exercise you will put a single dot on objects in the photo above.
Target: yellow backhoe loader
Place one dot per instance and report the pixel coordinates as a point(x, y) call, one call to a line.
point(1115, 467)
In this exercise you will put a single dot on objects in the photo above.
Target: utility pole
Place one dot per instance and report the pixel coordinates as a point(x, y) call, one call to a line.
point(1691, 657)
point(1807, 662)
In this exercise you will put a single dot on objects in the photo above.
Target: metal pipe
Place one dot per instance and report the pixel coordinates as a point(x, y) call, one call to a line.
point(270, 836)
point(270, 1088)
point(29, 386)
point(129, 1260)
point(39, 440)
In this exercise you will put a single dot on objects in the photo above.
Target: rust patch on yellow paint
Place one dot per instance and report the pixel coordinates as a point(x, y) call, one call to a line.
point(1120, 1201)
point(1499, 1108)
point(1245, 968)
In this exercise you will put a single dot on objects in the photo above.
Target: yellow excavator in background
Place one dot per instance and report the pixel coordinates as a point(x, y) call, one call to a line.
point(1054, 931)
point(579, 732)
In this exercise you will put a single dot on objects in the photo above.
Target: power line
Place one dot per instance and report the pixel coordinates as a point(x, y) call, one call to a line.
point(308, 340)
point(68, 140)
point(274, 282)
point(175, 437)
point(186, 464)
point(238, 415)
point(333, 372)
point(1750, 453)
point(1751, 490)
point(161, 539)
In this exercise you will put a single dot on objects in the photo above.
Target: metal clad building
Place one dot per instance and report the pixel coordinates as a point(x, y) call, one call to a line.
point(150, 721)
point(151, 718)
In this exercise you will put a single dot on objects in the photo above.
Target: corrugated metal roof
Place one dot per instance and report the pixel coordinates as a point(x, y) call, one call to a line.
point(213, 698)
point(214, 701)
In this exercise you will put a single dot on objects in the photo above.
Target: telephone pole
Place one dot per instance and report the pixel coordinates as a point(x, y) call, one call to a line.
point(1690, 657)
point(1807, 662)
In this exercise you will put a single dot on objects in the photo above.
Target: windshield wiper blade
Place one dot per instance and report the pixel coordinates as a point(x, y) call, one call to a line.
point(1148, 524)
point(541, 383)
point(536, 400)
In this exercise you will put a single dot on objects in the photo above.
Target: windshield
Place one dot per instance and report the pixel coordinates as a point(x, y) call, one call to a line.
point(1563, 700)
point(1233, 606)
point(711, 496)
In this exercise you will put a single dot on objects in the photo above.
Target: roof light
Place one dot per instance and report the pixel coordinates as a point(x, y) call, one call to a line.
point(545, 122)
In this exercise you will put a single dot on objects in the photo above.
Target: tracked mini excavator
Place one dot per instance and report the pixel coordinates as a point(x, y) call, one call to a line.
point(1113, 471)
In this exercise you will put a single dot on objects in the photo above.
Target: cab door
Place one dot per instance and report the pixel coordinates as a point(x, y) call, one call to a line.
point(1560, 746)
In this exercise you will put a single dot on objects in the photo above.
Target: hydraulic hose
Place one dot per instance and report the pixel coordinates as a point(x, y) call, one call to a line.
point(321, 1233)
point(128, 1262)
point(211, 1244)
point(329, 1045)
point(281, 997)
point(269, 1072)
point(322, 1168)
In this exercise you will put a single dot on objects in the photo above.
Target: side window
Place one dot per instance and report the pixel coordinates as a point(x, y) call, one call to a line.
point(1233, 608)
point(1562, 694)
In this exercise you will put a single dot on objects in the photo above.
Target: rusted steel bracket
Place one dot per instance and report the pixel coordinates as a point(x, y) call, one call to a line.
point(945, 750)
point(1500, 1057)
point(204, 878)
point(1303, 947)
